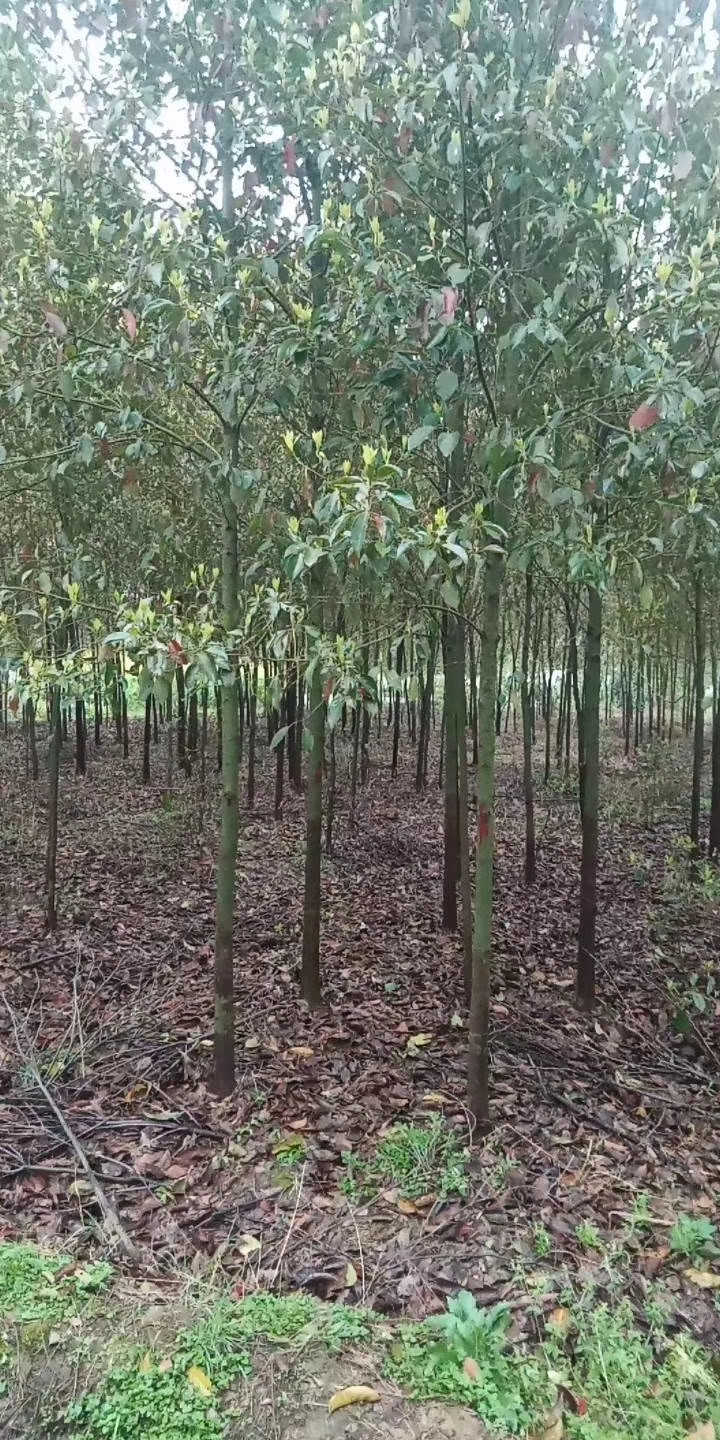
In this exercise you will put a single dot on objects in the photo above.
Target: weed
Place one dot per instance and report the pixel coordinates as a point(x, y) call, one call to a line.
point(641, 1216)
point(276, 1317)
point(35, 1287)
point(414, 1159)
point(629, 1391)
point(469, 1364)
point(693, 1238)
point(291, 1151)
point(343, 1325)
point(588, 1236)
point(147, 1397)
point(542, 1241)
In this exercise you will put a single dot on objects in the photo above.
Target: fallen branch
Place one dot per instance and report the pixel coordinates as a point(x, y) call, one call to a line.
point(111, 1219)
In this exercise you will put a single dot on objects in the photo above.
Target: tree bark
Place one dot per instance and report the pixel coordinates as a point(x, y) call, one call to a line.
point(451, 831)
point(530, 862)
point(315, 725)
point(589, 856)
point(147, 737)
point(488, 675)
point(53, 795)
point(699, 729)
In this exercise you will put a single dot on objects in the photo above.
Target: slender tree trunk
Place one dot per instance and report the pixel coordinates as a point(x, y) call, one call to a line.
point(310, 978)
point(224, 1039)
point(673, 690)
point(499, 688)
point(560, 733)
point(32, 738)
point(125, 726)
point(181, 721)
point(156, 733)
point(548, 698)
point(193, 729)
point(219, 715)
point(714, 835)
point(466, 906)
point(147, 737)
point(332, 777)
point(203, 736)
point(451, 848)
point(51, 917)
point(589, 857)
point(80, 753)
point(572, 619)
point(396, 710)
point(252, 731)
point(357, 726)
point(699, 730)
point(488, 677)
point(280, 762)
point(530, 863)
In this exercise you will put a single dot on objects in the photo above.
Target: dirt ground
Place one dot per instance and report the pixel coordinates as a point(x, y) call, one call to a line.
point(115, 1009)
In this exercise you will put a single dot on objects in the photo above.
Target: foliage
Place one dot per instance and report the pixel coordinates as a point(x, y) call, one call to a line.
point(628, 1391)
point(693, 1237)
point(470, 1365)
point(416, 1160)
point(38, 1287)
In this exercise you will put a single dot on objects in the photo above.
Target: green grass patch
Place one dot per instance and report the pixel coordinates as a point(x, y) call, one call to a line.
point(415, 1160)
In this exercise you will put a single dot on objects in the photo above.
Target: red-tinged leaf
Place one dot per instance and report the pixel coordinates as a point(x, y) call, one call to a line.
point(644, 417)
point(533, 478)
point(449, 305)
point(607, 155)
point(130, 323)
point(483, 823)
point(14, 704)
point(380, 524)
point(405, 140)
point(54, 321)
point(105, 448)
point(328, 688)
point(130, 479)
point(176, 652)
point(322, 18)
point(290, 156)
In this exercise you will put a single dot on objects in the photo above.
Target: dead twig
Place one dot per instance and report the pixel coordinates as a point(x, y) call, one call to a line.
point(112, 1221)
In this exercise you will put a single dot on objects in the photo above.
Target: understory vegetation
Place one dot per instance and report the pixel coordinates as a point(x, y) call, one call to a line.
point(359, 717)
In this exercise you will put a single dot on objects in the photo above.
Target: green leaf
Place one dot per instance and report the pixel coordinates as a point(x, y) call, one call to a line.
point(447, 442)
point(44, 583)
point(67, 387)
point(419, 437)
point(450, 594)
point(454, 149)
point(457, 274)
point(279, 736)
point(446, 384)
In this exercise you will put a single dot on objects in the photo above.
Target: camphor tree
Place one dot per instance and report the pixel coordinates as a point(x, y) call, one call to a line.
point(404, 320)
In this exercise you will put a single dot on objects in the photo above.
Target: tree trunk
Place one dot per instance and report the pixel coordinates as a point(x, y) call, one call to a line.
point(548, 699)
point(714, 836)
point(32, 738)
point(181, 721)
point(332, 777)
point(357, 725)
point(125, 726)
point(147, 737)
point(80, 750)
point(193, 728)
point(499, 683)
point(252, 732)
point(572, 619)
point(699, 731)
point(280, 762)
point(451, 846)
point(310, 978)
point(530, 863)
point(224, 1038)
point(488, 674)
point(53, 794)
point(589, 857)
point(396, 710)
point(466, 909)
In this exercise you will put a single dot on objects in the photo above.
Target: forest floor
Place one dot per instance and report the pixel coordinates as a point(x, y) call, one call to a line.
point(602, 1167)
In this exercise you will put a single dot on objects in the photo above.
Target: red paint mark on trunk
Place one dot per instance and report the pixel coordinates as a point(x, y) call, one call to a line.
point(483, 823)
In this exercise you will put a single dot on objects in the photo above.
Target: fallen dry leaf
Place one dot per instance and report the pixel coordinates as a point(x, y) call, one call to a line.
point(418, 1042)
point(352, 1395)
point(704, 1279)
point(146, 1363)
point(302, 1052)
point(471, 1368)
point(552, 1427)
point(249, 1245)
point(350, 1275)
point(199, 1380)
point(560, 1319)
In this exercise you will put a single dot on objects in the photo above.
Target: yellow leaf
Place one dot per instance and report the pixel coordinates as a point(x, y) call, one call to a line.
point(560, 1320)
point(406, 1207)
point(352, 1395)
point(248, 1245)
point(417, 1042)
point(199, 1380)
point(350, 1275)
point(436, 1098)
point(252, 1043)
point(704, 1279)
point(146, 1364)
point(703, 1432)
point(471, 1368)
